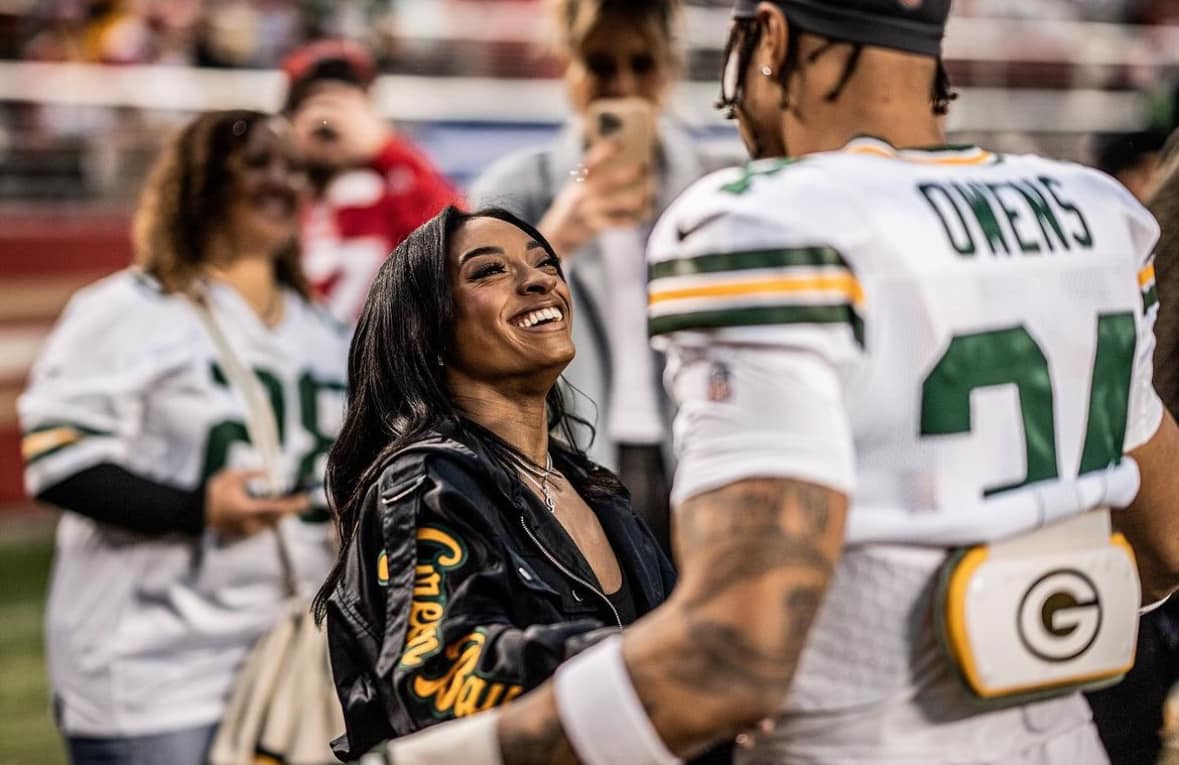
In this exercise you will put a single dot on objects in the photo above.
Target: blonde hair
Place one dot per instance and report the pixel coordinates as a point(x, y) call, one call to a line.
point(185, 199)
point(576, 20)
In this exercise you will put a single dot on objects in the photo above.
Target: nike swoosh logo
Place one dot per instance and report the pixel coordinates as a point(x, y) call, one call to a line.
point(684, 233)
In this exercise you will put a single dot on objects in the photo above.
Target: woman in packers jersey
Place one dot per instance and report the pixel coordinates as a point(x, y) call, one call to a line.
point(162, 579)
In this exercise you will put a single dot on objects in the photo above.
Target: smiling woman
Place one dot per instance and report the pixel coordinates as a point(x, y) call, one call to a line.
point(513, 317)
point(480, 547)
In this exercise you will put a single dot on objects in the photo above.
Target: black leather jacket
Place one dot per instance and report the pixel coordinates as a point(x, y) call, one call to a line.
point(461, 591)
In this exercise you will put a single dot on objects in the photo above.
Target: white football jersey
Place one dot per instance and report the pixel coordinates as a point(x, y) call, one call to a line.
point(961, 342)
point(145, 634)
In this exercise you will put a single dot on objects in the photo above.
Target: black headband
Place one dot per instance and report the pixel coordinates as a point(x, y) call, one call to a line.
point(913, 26)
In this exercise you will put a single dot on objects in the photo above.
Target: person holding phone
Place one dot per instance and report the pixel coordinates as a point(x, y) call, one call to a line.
point(370, 186)
point(594, 193)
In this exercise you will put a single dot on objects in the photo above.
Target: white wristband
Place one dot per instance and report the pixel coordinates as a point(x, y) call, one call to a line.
point(601, 713)
point(471, 740)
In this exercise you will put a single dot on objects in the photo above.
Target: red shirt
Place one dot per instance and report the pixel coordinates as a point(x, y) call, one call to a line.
point(362, 216)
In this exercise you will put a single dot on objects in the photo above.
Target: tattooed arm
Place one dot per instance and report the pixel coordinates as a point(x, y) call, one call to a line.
point(756, 558)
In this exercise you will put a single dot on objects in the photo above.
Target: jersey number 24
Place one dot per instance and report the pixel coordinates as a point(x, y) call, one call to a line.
point(1012, 356)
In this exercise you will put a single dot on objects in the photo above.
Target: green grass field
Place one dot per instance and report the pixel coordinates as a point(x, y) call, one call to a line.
point(27, 735)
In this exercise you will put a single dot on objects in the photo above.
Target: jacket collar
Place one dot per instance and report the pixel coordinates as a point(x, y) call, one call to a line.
point(633, 545)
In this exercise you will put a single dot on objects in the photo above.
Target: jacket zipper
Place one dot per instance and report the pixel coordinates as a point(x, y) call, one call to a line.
point(571, 575)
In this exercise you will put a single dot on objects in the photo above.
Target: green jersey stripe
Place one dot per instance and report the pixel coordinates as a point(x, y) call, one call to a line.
point(1150, 296)
point(84, 430)
point(81, 430)
point(748, 260)
point(841, 313)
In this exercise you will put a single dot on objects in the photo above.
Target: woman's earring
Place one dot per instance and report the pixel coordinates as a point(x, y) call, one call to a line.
point(766, 71)
point(441, 363)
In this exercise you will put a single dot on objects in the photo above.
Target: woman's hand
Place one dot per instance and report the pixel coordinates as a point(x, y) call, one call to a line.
point(230, 510)
point(598, 197)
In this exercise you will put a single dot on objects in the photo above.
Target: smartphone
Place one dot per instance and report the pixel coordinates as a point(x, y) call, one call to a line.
point(630, 122)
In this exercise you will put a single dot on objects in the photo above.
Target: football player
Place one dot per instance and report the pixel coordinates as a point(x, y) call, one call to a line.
point(916, 432)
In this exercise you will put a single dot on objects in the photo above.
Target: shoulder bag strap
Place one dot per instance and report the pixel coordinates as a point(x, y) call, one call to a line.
point(260, 423)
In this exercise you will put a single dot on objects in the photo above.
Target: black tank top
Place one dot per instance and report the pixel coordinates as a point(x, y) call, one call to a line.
point(623, 600)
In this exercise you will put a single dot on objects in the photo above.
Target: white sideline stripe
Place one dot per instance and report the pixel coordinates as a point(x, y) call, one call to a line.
point(1051, 111)
point(1082, 43)
point(1046, 40)
point(18, 350)
point(412, 98)
point(968, 38)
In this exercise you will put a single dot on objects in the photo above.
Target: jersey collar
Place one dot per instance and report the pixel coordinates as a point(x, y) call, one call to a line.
point(962, 154)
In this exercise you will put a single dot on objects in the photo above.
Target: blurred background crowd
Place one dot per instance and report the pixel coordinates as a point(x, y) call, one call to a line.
point(90, 90)
point(1047, 72)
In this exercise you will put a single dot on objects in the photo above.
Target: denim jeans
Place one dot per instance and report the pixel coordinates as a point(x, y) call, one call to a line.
point(182, 747)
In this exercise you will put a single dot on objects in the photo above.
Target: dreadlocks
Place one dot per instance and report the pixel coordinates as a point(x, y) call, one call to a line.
point(742, 43)
point(943, 90)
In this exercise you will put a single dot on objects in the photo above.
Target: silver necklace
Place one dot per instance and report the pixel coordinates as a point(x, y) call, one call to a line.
point(539, 477)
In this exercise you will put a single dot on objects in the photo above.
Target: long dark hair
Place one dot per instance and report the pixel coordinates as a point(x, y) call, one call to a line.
point(397, 391)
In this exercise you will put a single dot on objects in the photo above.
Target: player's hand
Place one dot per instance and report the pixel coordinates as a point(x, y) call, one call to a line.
point(338, 127)
point(597, 198)
point(231, 511)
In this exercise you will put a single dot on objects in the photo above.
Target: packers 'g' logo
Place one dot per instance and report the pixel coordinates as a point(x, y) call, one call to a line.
point(1059, 616)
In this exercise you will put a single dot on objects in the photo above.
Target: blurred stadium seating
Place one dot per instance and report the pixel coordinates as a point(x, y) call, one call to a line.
point(88, 89)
